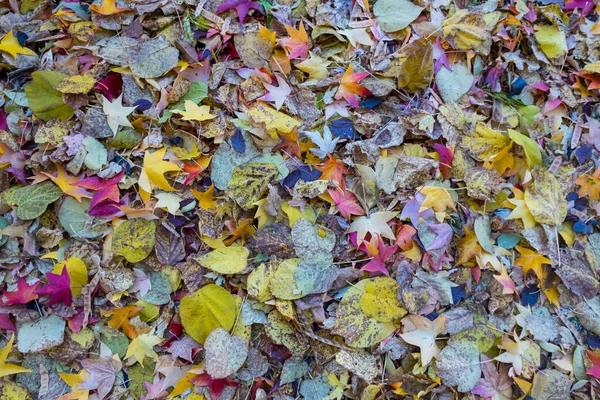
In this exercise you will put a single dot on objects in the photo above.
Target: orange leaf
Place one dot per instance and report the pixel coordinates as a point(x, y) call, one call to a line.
point(349, 87)
point(468, 247)
point(108, 7)
point(120, 319)
point(590, 185)
point(334, 170)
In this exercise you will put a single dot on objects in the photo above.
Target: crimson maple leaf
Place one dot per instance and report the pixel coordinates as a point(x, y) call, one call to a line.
point(346, 203)
point(380, 255)
point(58, 288)
point(241, 6)
point(23, 295)
point(349, 87)
point(216, 385)
point(105, 189)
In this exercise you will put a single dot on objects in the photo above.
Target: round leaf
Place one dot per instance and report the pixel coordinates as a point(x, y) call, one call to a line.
point(203, 311)
point(134, 239)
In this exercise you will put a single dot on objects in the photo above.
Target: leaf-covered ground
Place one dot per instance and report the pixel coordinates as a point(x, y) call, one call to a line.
point(278, 199)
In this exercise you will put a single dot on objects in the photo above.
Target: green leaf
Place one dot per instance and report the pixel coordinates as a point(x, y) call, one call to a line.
point(134, 239)
point(44, 100)
point(33, 200)
point(74, 218)
point(207, 309)
point(531, 148)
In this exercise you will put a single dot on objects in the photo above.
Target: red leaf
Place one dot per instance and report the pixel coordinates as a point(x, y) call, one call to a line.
point(23, 295)
point(349, 88)
point(111, 86)
point(380, 255)
point(58, 288)
point(446, 157)
point(346, 203)
point(216, 385)
point(105, 189)
point(595, 359)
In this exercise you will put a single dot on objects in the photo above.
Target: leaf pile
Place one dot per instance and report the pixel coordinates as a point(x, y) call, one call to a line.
point(269, 199)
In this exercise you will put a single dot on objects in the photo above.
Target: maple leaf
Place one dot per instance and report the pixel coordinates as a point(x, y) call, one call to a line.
point(241, 6)
point(590, 185)
point(514, 353)
point(333, 170)
point(288, 144)
point(266, 33)
point(155, 390)
point(195, 167)
point(206, 199)
point(105, 189)
point(58, 288)
point(380, 254)
point(153, 171)
point(142, 347)
point(314, 66)
point(521, 211)
point(23, 295)
point(194, 112)
point(277, 94)
point(531, 260)
point(504, 279)
point(108, 7)
point(349, 88)
point(339, 385)
point(7, 368)
point(297, 43)
point(437, 198)
point(116, 113)
point(11, 45)
point(103, 372)
point(424, 336)
point(120, 319)
point(67, 183)
point(216, 385)
point(468, 247)
point(595, 359)
point(346, 203)
point(376, 223)
point(494, 384)
point(502, 161)
point(326, 142)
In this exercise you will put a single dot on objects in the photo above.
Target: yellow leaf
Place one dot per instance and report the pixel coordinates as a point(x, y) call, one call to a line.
point(380, 300)
point(77, 84)
point(10, 45)
point(415, 69)
point(134, 239)
point(153, 171)
point(521, 211)
point(142, 347)
point(203, 311)
point(266, 33)
point(552, 40)
point(274, 120)
point(531, 260)
point(295, 213)
point(7, 368)
point(484, 143)
point(466, 30)
point(545, 199)
point(225, 260)
point(73, 380)
point(314, 66)
point(65, 182)
point(77, 271)
point(14, 391)
point(194, 112)
point(437, 198)
point(206, 199)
